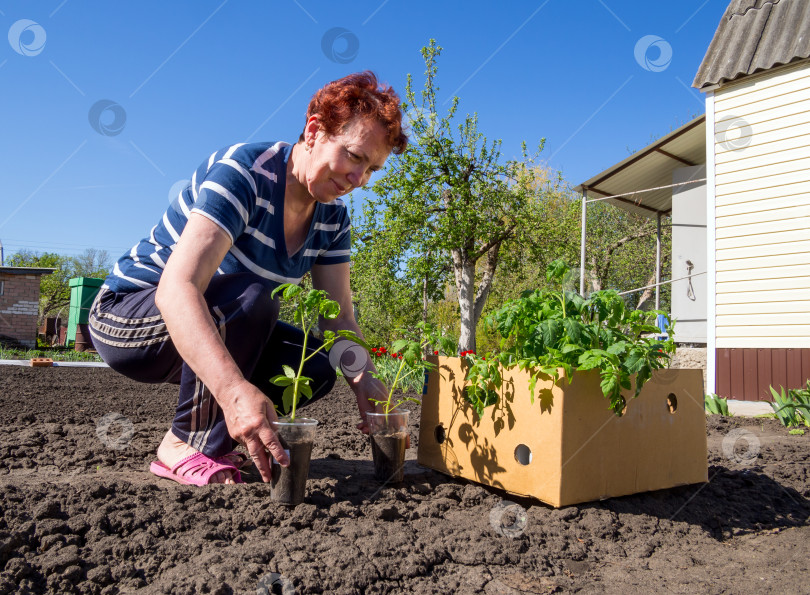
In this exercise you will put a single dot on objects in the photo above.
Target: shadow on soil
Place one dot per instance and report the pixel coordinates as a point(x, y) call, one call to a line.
point(733, 502)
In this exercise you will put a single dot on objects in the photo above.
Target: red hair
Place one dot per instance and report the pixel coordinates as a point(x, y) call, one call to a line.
point(359, 97)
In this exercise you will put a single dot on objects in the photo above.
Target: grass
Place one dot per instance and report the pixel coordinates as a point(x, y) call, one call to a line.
point(57, 355)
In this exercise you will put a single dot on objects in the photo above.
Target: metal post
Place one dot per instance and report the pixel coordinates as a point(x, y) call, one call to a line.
point(582, 242)
point(658, 262)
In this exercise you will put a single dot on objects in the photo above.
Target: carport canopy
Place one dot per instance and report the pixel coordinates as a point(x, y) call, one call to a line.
point(630, 180)
point(642, 183)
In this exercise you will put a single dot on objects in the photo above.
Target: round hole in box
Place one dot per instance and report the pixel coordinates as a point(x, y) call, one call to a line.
point(672, 403)
point(523, 454)
point(439, 434)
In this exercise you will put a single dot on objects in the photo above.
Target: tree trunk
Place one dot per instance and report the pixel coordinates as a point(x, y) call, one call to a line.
point(464, 272)
point(647, 294)
point(471, 301)
point(485, 285)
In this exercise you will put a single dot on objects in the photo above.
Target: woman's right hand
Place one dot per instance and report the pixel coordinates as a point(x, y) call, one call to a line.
point(248, 413)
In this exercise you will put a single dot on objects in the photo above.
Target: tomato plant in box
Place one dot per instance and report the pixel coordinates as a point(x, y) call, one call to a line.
point(547, 330)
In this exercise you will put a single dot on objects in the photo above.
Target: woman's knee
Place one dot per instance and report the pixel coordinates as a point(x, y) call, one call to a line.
point(243, 302)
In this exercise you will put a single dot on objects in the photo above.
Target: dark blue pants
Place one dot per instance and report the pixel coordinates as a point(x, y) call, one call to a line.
point(130, 335)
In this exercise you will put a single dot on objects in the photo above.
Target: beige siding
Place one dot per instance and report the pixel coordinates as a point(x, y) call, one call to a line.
point(756, 274)
point(787, 306)
point(762, 210)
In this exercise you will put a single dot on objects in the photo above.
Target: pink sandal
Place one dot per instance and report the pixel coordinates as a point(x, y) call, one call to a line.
point(238, 459)
point(196, 470)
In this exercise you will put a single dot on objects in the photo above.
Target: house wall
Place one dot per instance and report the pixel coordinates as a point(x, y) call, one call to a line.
point(759, 197)
point(19, 307)
point(762, 210)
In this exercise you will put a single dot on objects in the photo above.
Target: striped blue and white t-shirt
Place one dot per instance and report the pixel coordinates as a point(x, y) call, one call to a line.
point(241, 189)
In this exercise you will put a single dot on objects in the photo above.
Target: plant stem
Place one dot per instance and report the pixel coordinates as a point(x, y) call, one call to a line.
point(300, 369)
point(393, 386)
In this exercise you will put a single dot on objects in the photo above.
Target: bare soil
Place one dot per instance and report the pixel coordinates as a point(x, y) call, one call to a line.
point(80, 513)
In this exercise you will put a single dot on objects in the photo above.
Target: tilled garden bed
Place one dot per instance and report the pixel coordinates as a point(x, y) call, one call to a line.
point(82, 514)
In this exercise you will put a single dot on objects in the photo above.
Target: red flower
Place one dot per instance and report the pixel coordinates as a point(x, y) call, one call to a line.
point(394, 355)
point(435, 353)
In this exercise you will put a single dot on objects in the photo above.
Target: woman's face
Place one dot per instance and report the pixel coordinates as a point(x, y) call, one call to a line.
point(345, 161)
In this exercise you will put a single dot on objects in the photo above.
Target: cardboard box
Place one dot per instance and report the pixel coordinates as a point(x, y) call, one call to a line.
point(567, 447)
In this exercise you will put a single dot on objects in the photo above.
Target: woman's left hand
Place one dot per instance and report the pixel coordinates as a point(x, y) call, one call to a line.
point(366, 406)
point(334, 279)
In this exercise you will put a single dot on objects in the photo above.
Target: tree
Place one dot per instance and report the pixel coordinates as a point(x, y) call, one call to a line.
point(54, 289)
point(620, 250)
point(452, 201)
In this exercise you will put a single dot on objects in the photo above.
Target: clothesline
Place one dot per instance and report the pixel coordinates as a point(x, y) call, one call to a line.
point(645, 190)
point(661, 283)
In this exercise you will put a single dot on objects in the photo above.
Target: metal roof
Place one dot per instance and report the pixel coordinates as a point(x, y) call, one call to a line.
point(651, 167)
point(756, 35)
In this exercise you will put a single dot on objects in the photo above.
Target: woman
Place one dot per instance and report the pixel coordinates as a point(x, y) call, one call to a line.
point(190, 304)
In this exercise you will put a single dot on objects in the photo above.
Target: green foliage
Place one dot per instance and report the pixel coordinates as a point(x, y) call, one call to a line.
point(545, 331)
point(621, 251)
point(452, 200)
point(715, 405)
point(54, 289)
point(454, 231)
point(792, 407)
point(309, 306)
point(287, 308)
point(409, 364)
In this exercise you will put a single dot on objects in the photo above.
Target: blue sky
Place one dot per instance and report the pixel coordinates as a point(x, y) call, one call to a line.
point(106, 106)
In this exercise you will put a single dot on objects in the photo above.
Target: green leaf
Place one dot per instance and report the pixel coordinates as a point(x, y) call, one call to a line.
point(280, 288)
point(329, 309)
point(291, 291)
point(715, 405)
point(556, 270)
point(287, 399)
point(352, 336)
point(590, 359)
point(281, 380)
point(551, 331)
point(305, 390)
point(288, 371)
point(610, 385)
point(573, 329)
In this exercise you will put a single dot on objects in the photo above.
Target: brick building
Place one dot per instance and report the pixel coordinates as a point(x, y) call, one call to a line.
point(19, 304)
